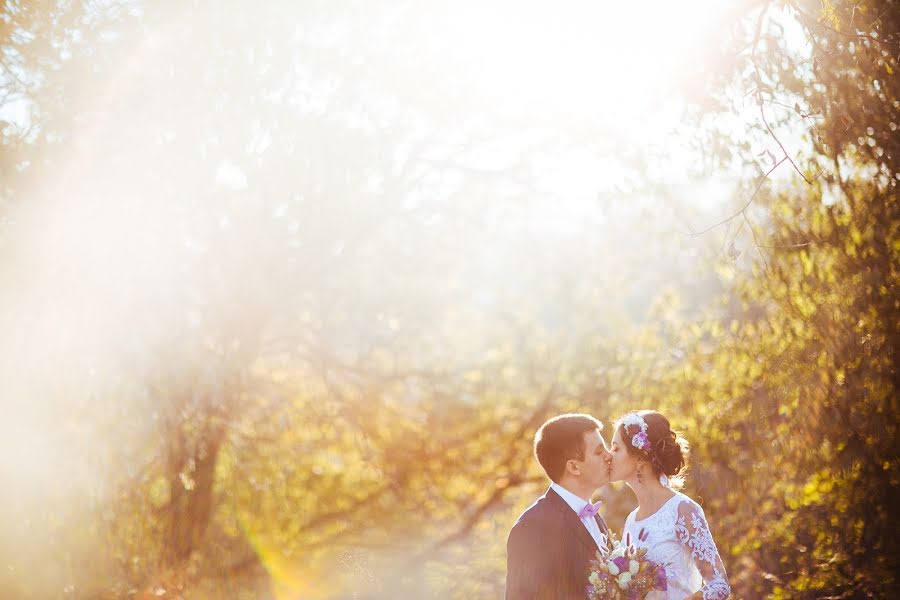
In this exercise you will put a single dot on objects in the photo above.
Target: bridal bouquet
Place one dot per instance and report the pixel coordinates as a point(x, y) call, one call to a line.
point(624, 574)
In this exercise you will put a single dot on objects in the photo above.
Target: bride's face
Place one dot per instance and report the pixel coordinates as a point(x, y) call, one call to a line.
point(623, 465)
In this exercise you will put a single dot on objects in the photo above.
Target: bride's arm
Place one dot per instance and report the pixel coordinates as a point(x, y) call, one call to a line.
point(693, 531)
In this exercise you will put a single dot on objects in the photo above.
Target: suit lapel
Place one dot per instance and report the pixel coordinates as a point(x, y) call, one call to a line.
point(572, 521)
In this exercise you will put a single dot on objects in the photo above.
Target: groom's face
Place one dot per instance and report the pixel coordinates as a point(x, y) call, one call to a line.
point(595, 468)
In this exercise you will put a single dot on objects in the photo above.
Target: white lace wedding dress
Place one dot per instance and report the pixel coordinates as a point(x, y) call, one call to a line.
point(677, 535)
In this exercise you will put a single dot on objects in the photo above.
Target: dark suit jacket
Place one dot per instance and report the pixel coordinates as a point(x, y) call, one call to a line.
point(548, 552)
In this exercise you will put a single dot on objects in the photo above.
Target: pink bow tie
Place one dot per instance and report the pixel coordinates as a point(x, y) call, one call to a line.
point(590, 510)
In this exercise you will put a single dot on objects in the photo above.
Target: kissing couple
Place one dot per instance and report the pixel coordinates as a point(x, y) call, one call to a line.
point(550, 547)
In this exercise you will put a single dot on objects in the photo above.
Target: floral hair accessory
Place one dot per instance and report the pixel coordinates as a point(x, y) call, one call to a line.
point(640, 439)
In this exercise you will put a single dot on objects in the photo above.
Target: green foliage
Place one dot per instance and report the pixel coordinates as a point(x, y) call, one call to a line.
point(337, 414)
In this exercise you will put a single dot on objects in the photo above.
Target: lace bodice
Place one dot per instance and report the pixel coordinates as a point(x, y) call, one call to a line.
point(677, 535)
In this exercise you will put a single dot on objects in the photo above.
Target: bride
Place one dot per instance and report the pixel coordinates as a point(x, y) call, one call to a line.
point(645, 453)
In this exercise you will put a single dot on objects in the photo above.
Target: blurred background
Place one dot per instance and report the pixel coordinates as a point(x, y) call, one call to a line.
point(286, 287)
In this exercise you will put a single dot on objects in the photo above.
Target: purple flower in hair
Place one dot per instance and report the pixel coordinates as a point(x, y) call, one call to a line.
point(622, 563)
point(640, 440)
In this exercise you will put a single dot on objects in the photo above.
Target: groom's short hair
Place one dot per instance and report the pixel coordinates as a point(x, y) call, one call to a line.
point(560, 440)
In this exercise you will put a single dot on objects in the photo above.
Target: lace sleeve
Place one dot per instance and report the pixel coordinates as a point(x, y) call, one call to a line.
point(693, 532)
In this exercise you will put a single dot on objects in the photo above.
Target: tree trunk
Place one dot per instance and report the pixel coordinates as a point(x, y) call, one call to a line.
point(191, 475)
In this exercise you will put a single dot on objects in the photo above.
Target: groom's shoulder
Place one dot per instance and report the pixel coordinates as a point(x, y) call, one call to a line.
point(538, 524)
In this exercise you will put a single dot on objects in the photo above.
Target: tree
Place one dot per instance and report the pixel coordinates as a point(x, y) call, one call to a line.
point(301, 331)
point(802, 425)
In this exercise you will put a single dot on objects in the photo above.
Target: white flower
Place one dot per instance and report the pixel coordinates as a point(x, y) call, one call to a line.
point(612, 568)
point(624, 578)
point(634, 567)
point(635, 419)
point(594, 579)
point(619, 551)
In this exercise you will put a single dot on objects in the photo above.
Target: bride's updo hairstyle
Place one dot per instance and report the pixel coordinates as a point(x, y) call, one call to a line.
point(665, 450)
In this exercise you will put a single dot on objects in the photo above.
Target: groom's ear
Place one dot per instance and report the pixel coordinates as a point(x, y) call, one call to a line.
point(572, 467)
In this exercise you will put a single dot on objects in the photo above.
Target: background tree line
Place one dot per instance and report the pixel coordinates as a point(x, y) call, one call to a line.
point(283, 304)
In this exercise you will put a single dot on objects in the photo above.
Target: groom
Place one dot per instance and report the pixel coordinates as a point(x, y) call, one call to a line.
point(551, 544)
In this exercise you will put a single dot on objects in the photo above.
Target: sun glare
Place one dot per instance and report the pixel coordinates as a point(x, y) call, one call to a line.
point(610, 67)
point(605, 61)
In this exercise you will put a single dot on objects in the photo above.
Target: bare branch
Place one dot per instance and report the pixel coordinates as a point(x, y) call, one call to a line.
point(756, 241)
point(762, 180)
point(787, 246)
point(762, 114)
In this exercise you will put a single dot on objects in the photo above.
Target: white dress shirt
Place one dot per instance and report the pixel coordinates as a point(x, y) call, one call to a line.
point(577, 504)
